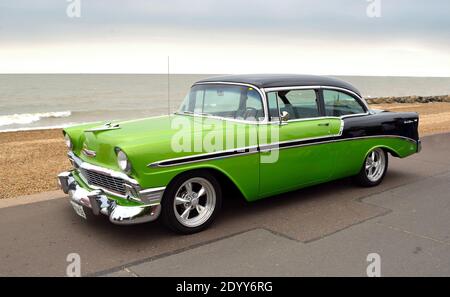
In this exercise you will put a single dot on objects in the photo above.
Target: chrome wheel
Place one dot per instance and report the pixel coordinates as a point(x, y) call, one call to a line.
point(375, 165)
point(194, 202)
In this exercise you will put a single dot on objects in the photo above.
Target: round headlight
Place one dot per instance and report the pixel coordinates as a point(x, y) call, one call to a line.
point(68, 141)
point(123, 162)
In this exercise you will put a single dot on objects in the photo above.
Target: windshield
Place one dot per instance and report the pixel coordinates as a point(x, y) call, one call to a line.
point(227, 101)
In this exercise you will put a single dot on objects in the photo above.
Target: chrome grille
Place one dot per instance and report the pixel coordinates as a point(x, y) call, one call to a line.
point(110, 183)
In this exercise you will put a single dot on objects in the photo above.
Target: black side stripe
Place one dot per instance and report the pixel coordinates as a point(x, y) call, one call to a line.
point(208, 156)
point(295, 143)
point(266, 147)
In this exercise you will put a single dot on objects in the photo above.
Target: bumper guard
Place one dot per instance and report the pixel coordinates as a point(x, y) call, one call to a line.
point(99, 203)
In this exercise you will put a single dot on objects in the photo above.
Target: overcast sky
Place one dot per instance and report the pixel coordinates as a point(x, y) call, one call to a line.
point(409, 38)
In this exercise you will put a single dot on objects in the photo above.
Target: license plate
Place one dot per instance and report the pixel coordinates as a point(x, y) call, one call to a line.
point(78, 210)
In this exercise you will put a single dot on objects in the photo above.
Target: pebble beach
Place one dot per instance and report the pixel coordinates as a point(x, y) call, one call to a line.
point(30, 160)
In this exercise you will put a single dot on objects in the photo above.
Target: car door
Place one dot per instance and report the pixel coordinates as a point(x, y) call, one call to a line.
point(294, 151)
point(350, 154)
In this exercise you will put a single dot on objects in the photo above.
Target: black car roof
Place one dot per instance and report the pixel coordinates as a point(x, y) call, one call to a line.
point(283, 80)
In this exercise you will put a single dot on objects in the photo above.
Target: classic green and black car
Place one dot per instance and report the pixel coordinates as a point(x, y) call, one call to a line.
point(260, 134)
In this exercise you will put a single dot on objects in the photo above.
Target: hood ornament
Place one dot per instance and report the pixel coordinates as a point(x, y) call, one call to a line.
point(107, 126)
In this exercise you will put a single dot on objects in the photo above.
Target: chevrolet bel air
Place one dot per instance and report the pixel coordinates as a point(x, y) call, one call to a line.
point(261, 135)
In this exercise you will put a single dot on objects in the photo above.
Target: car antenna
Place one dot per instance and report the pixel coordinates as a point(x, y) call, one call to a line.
point(168, 85)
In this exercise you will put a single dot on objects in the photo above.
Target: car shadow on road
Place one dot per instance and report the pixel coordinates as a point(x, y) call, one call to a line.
point(235, 211)
point(276, 213)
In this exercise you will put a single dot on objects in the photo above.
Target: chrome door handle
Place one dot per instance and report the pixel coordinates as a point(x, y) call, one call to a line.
point(323, 124)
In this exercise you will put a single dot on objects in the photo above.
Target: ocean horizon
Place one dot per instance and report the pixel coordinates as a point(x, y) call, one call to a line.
point(38, 101)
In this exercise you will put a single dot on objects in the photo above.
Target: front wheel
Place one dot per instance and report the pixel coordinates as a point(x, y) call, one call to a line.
point(191, 202)
point(374, 168)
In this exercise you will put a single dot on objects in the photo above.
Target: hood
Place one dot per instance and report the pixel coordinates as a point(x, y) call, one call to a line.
point(129, 131)
point(144, 141)
point(126, 135)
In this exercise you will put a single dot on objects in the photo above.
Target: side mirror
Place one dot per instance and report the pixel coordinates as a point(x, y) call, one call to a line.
point(284, 116)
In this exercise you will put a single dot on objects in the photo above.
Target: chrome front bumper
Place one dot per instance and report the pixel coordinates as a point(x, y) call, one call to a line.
point(99, 203)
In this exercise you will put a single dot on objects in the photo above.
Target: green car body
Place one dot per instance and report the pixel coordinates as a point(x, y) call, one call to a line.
point(261, 158)
point(149, 140)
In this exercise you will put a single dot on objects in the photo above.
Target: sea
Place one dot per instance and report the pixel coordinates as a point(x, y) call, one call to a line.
point(36, 101)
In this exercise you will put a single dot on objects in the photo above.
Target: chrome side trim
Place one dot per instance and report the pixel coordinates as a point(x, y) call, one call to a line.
point(262, 148)
point(140, 119)
point(275, 89)
point(265, 148)
point(354, 115)
point(330, 141)
point(323, 117)
point(312, 119)
point(223, 118)
point(207, 156)
point(342, 127)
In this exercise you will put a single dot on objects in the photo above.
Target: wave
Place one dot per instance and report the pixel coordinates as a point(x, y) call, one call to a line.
point(28, 118)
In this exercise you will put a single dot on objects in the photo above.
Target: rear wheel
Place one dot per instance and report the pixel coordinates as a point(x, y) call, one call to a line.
point(374, 168)
point(191, 202)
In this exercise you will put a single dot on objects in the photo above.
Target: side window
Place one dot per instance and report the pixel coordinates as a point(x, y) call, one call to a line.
point(254, 103)
point(339, 104)
point(303, 103)
point(300, 104)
